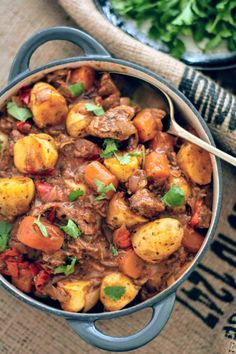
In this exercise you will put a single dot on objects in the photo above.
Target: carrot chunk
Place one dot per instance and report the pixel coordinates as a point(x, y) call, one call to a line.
point(157, 166)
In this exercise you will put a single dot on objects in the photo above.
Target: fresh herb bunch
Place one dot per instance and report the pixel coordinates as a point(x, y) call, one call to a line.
point(209, 22)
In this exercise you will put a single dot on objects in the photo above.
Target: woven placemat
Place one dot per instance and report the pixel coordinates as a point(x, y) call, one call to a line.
point(202, 321)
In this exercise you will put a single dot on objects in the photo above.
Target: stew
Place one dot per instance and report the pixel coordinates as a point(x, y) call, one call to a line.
point(99, 208)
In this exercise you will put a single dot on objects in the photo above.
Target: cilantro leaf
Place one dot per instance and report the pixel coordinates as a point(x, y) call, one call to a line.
point(125, 159)
point(174, 197)
point(20, 113)
point(115, 292)
point(114, 251)
point(97, 110)
point(109, 148)
point(41, 227)
point(74, 195)
point(71, 229)
point(102, 189)
point(67, 269)
point(5, 229)
point(1, 145)
point(76, 89)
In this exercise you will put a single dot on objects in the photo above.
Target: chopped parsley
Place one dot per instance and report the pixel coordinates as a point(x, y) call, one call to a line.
point(97, 110)
point(20, 113)
point(114, 251)
point(115, 292)
point(71, 229)
point(41, 227)
point(74, 195)
point(67, 269)
point(174, 197)
point(76, 89)
point(5, 229)
point(102, 189)
point(109, 148)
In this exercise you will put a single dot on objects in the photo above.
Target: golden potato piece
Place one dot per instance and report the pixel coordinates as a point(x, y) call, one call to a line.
point(35, 153)
point(16, 194)
point(82, 295)
point(117, 290)
point(47, 105)
point(74, 186)
point(196, 163)
point(157, 240)
point(120, 214)
point(182, 184)
point(77, 120)
point(3, 143)
point(123, 172)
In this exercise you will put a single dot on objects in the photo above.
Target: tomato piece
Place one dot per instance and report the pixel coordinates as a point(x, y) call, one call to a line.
point(12, 268)
point(41, 279)
point(121, 237)
point(196, 213)
point(192, 240)
point(24, 281)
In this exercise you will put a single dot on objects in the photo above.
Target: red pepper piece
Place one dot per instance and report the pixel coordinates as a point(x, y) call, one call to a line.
point(34, 268)
point(41, 279)
point(23, 127)
point(196, 213)
point(12, 268)
point(43, 188)
point(121, 237)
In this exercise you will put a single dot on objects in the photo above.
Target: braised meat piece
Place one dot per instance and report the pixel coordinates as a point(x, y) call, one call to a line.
point(137, 181)
point(145, 203)
point(115, 124)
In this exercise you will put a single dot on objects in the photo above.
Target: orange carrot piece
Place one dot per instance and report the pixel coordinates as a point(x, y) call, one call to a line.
point(130, 264)
point(85, 75)
point(121, 237)
point(157, 166)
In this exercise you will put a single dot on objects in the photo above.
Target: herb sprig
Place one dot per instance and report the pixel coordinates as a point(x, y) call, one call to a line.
point(68, 268)
point(115, 292)
point(71, 229)
point(102, 189)
point(5, 229)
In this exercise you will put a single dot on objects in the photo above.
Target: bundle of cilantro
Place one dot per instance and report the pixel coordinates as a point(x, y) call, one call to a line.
point(209, 22)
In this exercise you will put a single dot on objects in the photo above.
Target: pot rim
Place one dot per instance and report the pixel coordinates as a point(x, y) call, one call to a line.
point(218, 171)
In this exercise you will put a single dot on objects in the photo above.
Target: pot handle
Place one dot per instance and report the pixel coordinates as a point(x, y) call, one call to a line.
point(89, 45)
point(92, 335)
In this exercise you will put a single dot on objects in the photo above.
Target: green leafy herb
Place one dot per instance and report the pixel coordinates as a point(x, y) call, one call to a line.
point(5, 229)
point(41, 227)
point(1, 145)
point(109, 148)
point(208, 22)
point(174, 197)
point(114, 251)
point(67, 269)
point(115, 292)
point(71, 229)
point(20, 113)
point(102, 189)
point(125, 159)
point(74, 195)
point(97, 110)
point(76, 89)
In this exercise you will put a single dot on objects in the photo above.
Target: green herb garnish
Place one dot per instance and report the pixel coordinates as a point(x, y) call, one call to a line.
point(1, 145)
point(109, 148)
point(125, 159)
point(41, 227)
point(97, 110)
point(208, 22)
point(67, 269)
point(76, 89)
point(102, 189)
point(20, 113)
point(174, 197)
point(74, 195)
point(71, 229)
point(115, 292)
point(5, 229)
point(114, 251)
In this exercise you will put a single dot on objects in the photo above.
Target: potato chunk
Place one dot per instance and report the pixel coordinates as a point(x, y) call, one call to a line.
point(82, 295)
point(196, 163)
point(157, 240)
point(35, 153)
point(16, 194)
point(120, 214)
point(123, 172)
point(77, 120)
point(47, 105)
point(112, 300)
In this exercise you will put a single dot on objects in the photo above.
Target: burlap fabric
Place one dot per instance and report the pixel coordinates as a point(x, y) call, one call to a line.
point(202, 321)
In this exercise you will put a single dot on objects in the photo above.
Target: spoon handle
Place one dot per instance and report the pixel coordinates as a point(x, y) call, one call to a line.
point(179, 131)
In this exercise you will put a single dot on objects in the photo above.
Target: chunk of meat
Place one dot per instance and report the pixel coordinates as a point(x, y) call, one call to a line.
point(107, 86)
point(145, 203)
point(137, 181)
point(97, 249)
point(204, 217)
point(115, 124)
point(79, 148)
